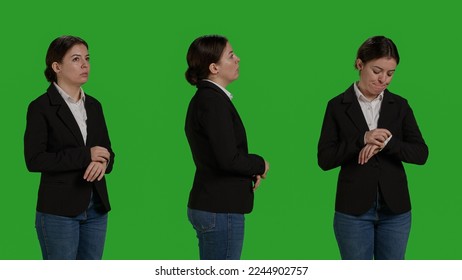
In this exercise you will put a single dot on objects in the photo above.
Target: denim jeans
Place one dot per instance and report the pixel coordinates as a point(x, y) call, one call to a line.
point(221, 235)
point(72, 238)
point(377, 234)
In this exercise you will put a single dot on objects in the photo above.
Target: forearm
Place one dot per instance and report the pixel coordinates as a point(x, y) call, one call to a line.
point(64, 160)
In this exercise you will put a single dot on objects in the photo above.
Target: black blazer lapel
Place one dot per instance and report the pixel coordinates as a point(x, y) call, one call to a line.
point(64, 113)
point(94, 115)
point(354, 111)
point(387, 110)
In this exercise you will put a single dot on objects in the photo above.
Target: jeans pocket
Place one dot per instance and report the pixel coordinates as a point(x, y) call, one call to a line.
point(202, 221)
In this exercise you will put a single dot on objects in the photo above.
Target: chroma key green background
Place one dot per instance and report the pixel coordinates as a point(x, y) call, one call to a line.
point(295, 56)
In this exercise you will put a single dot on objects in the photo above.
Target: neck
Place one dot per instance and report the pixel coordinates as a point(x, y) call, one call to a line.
point(218, 81)
point(72, 90)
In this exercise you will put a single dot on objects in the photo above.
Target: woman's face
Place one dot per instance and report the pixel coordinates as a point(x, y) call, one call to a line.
point(74, 69)
point(227, 68)
point(375, 75)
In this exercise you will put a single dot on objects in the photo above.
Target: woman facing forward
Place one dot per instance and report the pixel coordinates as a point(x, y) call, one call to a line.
point(67, 141)
point(369, 132)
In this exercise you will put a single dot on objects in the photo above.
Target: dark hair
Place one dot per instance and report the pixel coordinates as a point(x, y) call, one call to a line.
point(377, 47)
point(57, 50)
point(202, 52)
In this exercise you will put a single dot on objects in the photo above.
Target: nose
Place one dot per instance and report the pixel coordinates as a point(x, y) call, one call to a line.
point(238, 59)
point(383, 78)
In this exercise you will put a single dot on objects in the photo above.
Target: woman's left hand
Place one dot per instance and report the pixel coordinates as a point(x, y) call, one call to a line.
point(367, 152)
point(95, 171)
point(256, 181)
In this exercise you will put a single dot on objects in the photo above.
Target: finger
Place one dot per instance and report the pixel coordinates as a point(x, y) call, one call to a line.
point(369, 154)
point(377, 143)
point(385, 132)
point(362, 156)
point(101, 151)
point(99, 159)
point(366, 153)
point(98, 171)
point(104, 154)
point(372, 152)
point(257, 183)
point(87, 171)
point(95, 175)
point(91, 174)
point(99, 148)
point(85, 175)
point(267, 167)
point(101, 175)
point(379, 138)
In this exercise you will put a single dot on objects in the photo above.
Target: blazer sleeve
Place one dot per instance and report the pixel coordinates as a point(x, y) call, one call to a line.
point(37, 154)
point(411, 147)
point(217, 121)
point(335, 146)
point(106, 142)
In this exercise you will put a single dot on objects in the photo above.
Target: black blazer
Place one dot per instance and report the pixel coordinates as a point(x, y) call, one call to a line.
point(342, 138)
point(54, 146)
point(224, 168)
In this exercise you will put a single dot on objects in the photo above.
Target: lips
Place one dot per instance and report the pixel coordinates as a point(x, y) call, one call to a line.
point(380, 87)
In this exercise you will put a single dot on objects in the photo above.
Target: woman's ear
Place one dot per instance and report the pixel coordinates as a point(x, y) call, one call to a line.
point(213, 68)
point(359, 64)
point(56, 67)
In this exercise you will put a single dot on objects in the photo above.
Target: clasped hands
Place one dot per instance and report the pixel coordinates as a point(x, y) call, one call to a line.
point(257, 178)
point(97, 168)
point(375, 141)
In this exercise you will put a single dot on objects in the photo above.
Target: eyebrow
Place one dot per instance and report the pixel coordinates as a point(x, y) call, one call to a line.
point(382, 68)
point(79, 55)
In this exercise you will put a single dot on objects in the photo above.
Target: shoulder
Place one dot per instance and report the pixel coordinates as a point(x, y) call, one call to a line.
point(90, 99)
point(394, 98)
point(43, 98)
point(40, 102)
point(211, 94)
point(394, 95)
point(347, 96)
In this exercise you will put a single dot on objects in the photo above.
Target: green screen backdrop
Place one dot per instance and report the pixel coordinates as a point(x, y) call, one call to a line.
point(295, 56)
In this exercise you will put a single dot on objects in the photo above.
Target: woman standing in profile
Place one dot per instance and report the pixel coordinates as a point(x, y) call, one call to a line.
point(369, 132)
point(226, 174)
point(66, 139)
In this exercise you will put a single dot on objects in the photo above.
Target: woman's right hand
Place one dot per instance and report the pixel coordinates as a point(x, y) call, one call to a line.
point(377, 137)
point(267, 167)
point(100, 154)
point(257, 178)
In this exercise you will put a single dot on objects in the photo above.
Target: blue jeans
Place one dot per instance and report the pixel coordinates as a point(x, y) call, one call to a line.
point(72, 238)
point(221, 235)
point(377, 234)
